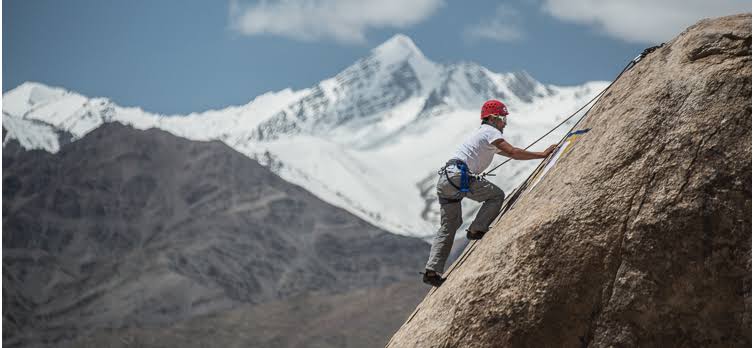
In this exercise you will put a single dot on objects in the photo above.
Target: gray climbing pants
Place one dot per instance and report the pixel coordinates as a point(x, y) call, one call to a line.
point(450, 213)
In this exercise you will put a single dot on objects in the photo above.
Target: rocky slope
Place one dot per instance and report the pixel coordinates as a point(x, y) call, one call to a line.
point(360, 318)
point(127, 228)
point(638, 237)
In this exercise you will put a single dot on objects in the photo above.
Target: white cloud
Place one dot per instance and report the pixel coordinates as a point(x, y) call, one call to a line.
point(504, 26)
point(340, 20)
point(642, 21)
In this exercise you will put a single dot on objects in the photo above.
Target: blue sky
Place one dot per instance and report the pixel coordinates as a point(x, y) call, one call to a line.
point(184, 56)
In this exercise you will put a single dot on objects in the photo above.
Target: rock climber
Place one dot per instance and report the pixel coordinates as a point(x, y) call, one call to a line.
point(460, 179)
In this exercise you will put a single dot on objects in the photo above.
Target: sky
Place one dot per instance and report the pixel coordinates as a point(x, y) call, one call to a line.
point(177, 57)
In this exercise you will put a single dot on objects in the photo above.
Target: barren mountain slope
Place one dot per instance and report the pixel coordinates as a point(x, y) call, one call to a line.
point(129, 228)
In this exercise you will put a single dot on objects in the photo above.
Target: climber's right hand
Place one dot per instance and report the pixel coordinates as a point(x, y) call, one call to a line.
point(549, 150)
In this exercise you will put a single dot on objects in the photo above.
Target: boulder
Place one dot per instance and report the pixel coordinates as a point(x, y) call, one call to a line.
point(640, 235)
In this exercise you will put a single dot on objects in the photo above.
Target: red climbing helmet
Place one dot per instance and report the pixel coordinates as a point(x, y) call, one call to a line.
point(493, 107)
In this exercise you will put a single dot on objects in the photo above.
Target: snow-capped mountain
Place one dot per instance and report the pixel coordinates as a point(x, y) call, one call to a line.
point(369, 139)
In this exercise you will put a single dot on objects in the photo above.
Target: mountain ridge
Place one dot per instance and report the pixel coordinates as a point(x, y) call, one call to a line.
point(335, 137)
point(129, 228)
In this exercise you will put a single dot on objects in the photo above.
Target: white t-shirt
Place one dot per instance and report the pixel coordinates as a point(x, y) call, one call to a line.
point(478, 150)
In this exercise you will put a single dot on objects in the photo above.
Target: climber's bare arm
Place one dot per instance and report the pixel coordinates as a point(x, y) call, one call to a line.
point(516, 153)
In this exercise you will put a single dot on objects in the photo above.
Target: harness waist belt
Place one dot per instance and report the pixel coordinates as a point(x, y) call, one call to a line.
point(455, 162)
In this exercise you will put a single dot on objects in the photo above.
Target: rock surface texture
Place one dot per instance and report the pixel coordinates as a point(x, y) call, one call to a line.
point(641, 235)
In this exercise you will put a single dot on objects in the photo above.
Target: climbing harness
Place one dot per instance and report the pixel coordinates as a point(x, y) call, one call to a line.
point(509, 202)
point(466, 175)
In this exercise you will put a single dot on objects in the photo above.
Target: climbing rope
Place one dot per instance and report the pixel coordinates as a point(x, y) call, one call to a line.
point(515, 195)
point(600, 94)
point(487, 173)
point(509, 202)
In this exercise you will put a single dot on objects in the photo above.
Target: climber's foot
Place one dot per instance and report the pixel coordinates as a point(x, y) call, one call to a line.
point(431, 277)
point(472, 235)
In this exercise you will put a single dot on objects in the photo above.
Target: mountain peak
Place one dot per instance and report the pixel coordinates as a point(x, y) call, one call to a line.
point(18, 100)
point(400, 50)
point(34, 91)
point(398, 47)
point(399, 41)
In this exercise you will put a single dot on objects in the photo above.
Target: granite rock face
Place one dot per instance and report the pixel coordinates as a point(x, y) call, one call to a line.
point(641, 235)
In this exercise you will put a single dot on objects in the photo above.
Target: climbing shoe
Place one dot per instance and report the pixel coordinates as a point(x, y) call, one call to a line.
point(472, 235)
point(431, 277)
